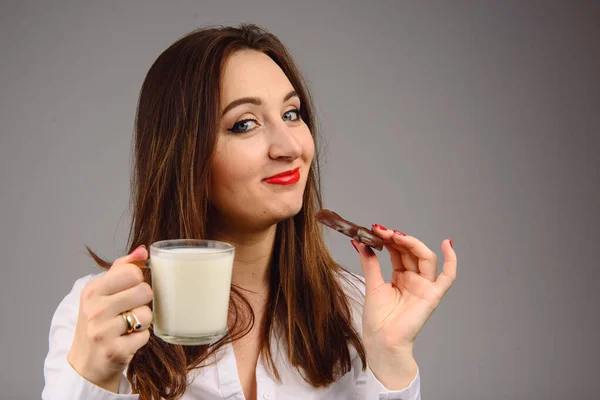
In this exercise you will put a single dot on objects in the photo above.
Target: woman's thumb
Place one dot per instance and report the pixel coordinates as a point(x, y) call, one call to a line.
point(140, 253)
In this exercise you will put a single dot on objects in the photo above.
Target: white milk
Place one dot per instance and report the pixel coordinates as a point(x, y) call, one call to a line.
point(191, 291)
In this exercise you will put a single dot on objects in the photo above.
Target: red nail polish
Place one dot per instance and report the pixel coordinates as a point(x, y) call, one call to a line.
point(354, 245)
point(383, 228)
point(451, 245)
point(137, 248)
point(400, 233)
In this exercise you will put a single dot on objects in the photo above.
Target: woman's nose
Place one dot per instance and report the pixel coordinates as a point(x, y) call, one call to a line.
point(283, 143)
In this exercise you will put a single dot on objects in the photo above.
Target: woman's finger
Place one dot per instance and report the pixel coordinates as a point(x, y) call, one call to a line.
point(427, 259)
point(128, 299)
point(116, 326)
point(411, 262)
point(448, 275)
point(395, 258)
point(124, 347)
point(394, 251)
point(370, 266)
point(118, 278)
point(123, 274)
point(144, 316)
point(401, 257)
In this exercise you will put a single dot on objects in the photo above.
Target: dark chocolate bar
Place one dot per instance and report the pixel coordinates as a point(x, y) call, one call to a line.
point(350, 229)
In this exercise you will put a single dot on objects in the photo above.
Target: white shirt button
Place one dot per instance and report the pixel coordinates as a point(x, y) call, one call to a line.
point(268, 395)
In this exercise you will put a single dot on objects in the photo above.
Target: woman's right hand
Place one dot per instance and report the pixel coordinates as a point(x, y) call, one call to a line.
point(101, 347)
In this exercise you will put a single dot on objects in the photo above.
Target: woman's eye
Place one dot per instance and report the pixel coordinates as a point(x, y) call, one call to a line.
point(243, 126)
point(292, 115)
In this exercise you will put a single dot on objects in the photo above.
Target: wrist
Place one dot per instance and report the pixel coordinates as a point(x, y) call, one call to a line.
point(396, 376)
point(395, 369)
point(108, 382)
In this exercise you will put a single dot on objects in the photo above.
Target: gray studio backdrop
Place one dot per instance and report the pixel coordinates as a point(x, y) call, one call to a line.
point(475, 120)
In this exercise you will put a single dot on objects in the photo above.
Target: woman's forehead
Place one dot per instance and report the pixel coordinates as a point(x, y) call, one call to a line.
point(251, 73)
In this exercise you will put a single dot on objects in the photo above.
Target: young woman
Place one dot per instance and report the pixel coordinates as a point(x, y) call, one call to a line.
point(220, 113)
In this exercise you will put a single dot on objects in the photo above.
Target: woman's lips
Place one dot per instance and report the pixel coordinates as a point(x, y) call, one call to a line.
point(285, 178)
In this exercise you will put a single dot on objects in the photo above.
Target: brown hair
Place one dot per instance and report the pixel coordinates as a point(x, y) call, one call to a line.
point(175, 133)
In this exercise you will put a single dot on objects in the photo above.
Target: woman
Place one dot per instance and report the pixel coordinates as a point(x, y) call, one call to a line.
point(221, 111)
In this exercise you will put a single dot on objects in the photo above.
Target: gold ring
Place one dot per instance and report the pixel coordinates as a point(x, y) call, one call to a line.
point(131, 321)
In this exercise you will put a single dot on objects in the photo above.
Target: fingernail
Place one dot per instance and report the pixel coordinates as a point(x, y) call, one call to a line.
point(400, 233)
point(354, 245)
point(383, 228)
point(451, 245)
point(137, 248)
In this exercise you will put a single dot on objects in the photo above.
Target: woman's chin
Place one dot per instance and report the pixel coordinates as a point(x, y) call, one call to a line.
point(268, 215)
point(286, 212)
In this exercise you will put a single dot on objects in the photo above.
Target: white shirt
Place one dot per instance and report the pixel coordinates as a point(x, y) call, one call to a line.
point(212, 382)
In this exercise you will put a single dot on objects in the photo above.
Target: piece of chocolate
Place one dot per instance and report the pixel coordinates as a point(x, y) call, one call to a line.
point(356, 232)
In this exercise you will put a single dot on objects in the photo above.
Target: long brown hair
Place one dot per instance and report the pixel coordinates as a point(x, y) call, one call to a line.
point(175, 134)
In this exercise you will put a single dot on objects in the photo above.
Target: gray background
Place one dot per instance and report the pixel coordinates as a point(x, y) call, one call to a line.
point(475, 120)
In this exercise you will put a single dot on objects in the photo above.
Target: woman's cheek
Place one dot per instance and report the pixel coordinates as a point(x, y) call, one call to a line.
point(309, 148)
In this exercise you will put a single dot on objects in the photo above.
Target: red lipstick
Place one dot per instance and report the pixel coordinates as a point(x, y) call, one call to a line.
point(285, 178)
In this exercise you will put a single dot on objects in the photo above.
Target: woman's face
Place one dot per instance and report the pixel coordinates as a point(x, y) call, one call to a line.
point(260, 135)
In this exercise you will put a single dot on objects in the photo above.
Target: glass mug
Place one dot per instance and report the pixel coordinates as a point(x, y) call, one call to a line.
point(191, 281)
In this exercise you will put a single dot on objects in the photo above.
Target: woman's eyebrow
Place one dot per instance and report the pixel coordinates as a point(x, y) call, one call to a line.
point(253, 100)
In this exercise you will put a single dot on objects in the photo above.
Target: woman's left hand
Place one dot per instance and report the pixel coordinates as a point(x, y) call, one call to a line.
point(394, 312)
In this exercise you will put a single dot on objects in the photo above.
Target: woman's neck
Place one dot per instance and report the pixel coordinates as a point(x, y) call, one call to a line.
point(253, 252)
